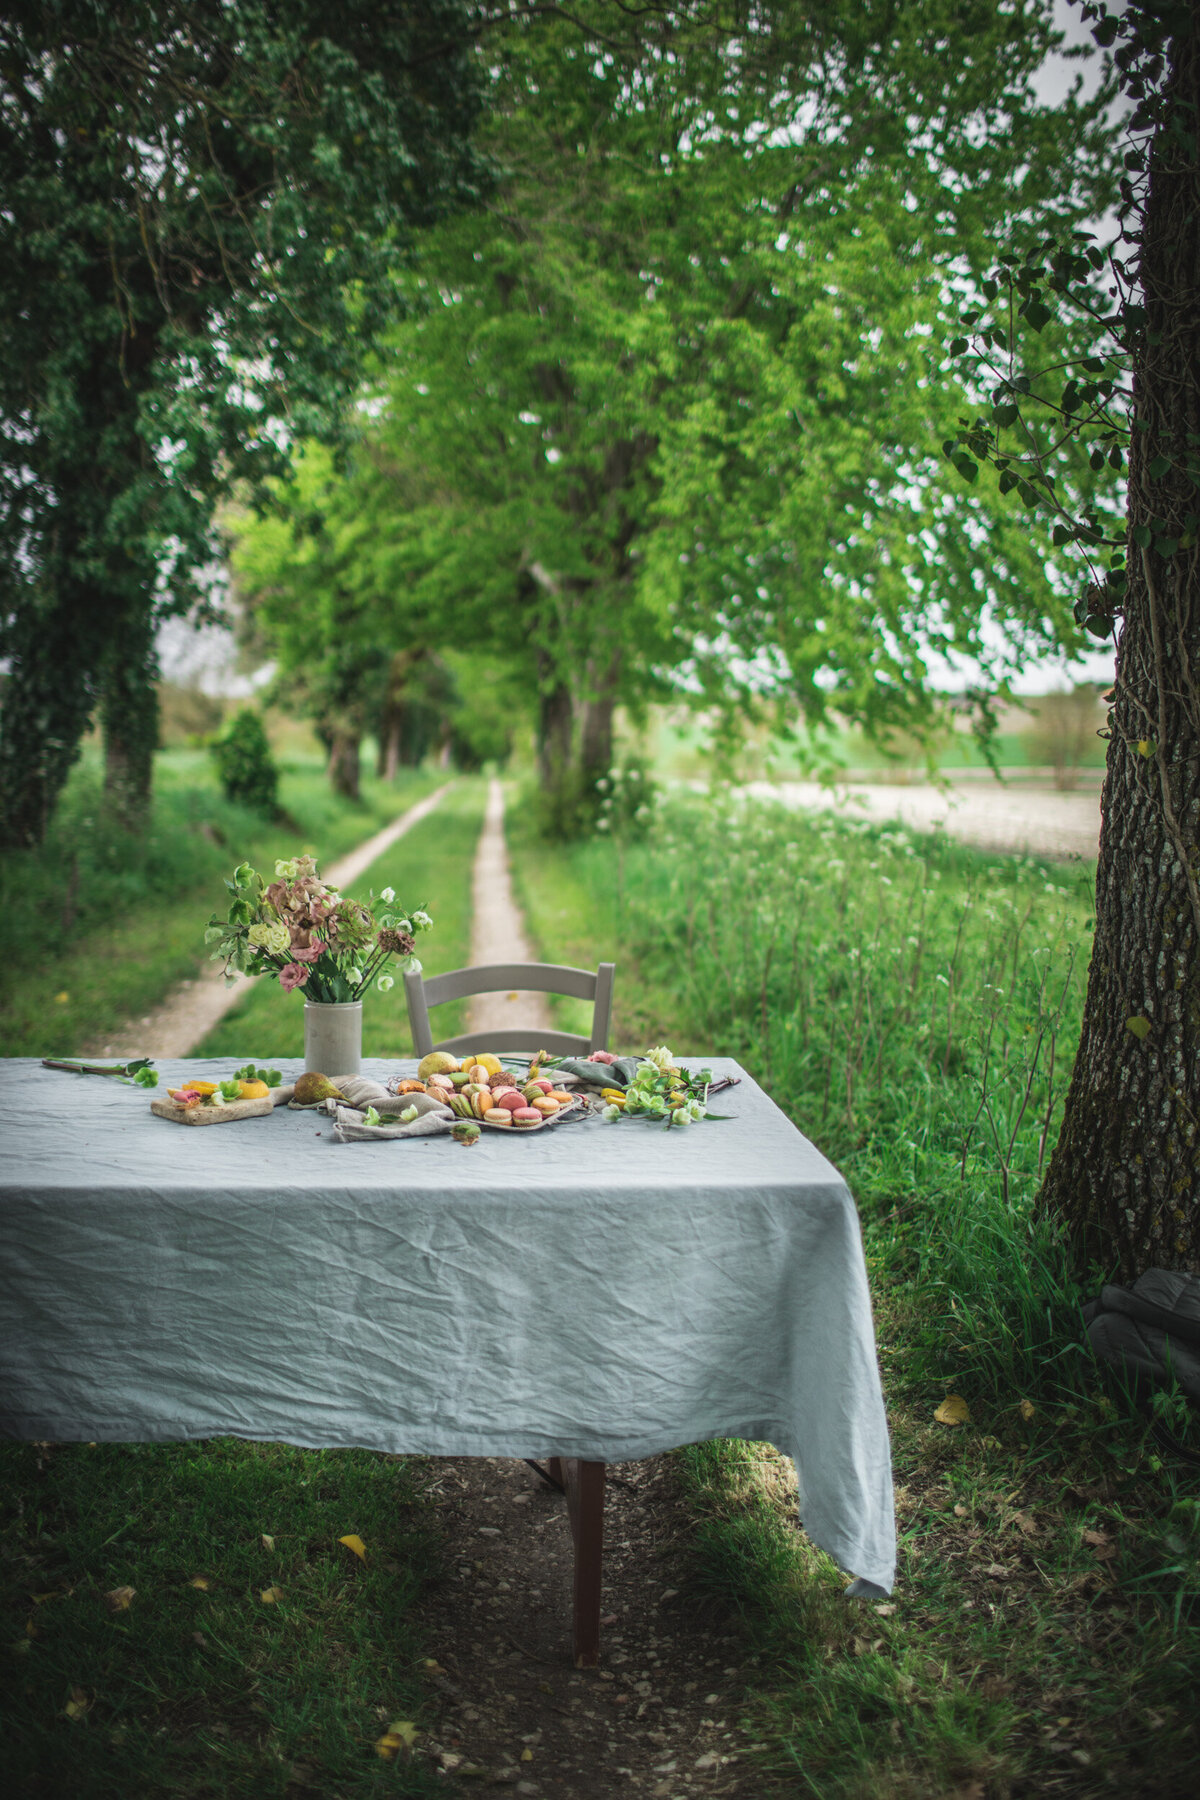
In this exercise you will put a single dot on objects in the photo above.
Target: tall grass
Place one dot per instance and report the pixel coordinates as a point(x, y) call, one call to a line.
point(914, 1006)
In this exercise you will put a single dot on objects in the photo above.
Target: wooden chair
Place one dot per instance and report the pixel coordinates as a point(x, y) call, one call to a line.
point(581, 1482)
point(494, 978)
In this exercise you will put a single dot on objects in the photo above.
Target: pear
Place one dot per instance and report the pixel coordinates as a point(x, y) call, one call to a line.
point(312, 1088)
point(438, 1062)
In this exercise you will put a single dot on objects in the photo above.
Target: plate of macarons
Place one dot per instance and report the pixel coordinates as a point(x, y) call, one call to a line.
point(496, 1097)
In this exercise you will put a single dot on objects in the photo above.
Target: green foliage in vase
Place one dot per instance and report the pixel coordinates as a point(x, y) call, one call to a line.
point(205, 209)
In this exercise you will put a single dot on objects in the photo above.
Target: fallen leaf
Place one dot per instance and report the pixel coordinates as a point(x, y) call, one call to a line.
point(268, 1543)
point(1096, 1537)
point(885, 1612)
point(387, 1745)
point(953, 1411)
point(118, 1599)
point(353, 1542)
point(527, 1754)
point(405, 1730)
point(270, 1595)
point(1026, 1523)
point(960, 1511)
point(201, 1582)
point(78, 1704)
point(198, 1637)
point(997, 1572)
point(61, 999)
point(1027, 1409)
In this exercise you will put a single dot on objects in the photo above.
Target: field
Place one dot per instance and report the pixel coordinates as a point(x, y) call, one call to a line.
point(914, 1007)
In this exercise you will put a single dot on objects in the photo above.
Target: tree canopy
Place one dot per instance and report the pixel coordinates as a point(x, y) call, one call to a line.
point(205, 209)
point(669, 408)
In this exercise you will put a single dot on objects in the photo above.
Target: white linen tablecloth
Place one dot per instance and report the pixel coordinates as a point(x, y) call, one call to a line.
point(600, 1291)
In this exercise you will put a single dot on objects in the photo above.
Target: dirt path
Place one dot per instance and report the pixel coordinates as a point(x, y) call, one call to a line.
point(1006, 818)
point(191, 1010)
point(497, 928)
point(660, 1716)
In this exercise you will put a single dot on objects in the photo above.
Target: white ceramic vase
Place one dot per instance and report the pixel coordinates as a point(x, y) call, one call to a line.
point(333, 1037)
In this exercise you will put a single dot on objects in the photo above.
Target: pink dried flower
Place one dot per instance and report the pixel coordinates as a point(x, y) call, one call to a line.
point(293, 975)
point(308, 953)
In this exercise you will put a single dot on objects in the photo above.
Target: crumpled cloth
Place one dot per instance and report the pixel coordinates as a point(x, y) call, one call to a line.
point(349, 1127)
point(608, 1291)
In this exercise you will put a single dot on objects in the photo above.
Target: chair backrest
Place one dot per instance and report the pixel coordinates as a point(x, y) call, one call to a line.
point(493, 978)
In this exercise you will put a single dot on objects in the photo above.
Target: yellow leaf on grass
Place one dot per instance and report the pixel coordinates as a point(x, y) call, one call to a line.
point(1027, 1409)
point(353, 1542)
point(953, 1411)
point(201, 1582)
point(270, 1595)
point(405, 1730)
point(78, 1704)
point(268, 1543)
point(527, 1754)
point(387, 1745)
point(118, 1599)
point(61, 999)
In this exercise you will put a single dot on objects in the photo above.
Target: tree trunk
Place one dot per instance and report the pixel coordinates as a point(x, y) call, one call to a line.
point(49, 698)
point(1125, 1174)
point(596, 733)
point(556, 718)
point(344, 753)
point(129, 717)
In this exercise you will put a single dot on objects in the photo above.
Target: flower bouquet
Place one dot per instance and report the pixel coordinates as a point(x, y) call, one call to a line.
point(314, 939)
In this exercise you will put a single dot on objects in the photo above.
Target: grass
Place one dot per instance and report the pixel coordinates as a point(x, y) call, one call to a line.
point(432, 862)
point(101, 923)
point(207, 1692)
point(914, 1007)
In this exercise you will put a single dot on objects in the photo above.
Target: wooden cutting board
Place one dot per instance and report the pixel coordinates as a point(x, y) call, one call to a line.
point(212, 1115)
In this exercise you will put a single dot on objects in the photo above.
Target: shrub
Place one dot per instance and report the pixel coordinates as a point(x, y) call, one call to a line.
point(246, 768)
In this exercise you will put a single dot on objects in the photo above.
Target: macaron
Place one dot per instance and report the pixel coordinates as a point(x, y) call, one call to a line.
point(526, 1115)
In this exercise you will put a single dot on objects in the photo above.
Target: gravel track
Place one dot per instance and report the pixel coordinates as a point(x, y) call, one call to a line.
point(991, 815)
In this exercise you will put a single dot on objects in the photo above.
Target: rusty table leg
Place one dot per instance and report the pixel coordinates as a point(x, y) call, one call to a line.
point(584, 1484)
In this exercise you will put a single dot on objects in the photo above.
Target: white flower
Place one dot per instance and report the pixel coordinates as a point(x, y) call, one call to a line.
point(681, 1116)
point(354, 976)
point(405, 925)
point(422, 921)
point(388, 895)
point(411, 966)
point(386, 983)
point(274, 938)
point(287, 869)
point(661, 1057)
point(611, 1112)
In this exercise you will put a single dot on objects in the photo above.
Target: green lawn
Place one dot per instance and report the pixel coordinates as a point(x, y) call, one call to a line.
point(914, 1006)
point(101, 924)
point(208, 1691)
